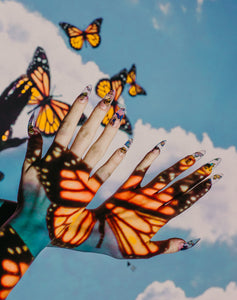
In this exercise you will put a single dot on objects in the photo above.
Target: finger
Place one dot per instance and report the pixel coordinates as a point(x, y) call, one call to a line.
point(70, 122)
point(104, 172)
point(165, 177)
point(34, 147)
point(183, 202)
point(136, 177)
point(170, 246)
point(187, 183)
point(88, 130)
point(99, 148)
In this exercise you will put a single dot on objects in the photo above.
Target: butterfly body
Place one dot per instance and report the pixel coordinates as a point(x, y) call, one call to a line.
point(78, 37)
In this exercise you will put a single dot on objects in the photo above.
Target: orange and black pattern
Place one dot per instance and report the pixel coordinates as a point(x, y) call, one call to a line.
point(116, 83)
point(135, 214)
point(66, 179)
point(134, 89)
point(51, 112)
point(15, 259)
point(77, 37)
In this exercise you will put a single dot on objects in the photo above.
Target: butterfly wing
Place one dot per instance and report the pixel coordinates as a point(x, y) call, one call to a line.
point(12, 101)
point(50, 116)
point(92, 33)
point(15, 259)
point(135, 89)
point(76, 36)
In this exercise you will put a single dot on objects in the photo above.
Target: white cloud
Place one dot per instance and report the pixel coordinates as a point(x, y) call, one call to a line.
point(165, 8)
point(168, 290)
point(155, 23)
point(213, 218)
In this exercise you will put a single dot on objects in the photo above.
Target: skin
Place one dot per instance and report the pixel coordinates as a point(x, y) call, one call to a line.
point(35, 217)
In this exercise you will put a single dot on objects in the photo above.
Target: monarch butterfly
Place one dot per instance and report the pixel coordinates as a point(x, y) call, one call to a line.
point(117, 83)
point(77, 37)
point(51, 111)
point(134, 89)
point(15, 259)
point(133, 214)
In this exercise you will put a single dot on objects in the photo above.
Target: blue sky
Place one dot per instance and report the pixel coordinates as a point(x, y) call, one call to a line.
point(185, 53)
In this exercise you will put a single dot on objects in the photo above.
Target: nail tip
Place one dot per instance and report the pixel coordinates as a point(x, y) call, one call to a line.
point(190, 244)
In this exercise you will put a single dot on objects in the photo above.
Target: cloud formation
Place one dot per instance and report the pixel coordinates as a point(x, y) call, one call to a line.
point(167, 290)
point(213, 218)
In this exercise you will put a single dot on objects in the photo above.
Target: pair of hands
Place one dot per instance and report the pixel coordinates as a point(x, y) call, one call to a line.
point(125, 223)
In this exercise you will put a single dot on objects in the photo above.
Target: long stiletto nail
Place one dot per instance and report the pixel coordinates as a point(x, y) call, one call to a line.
point(216, 177)
point(109, 97)
point(117, 117)
point(199, 154)
point(83, 97)
point(126, 146)
point(190, 244)
point(32, 130)
point(215, 162)
point(160, 145)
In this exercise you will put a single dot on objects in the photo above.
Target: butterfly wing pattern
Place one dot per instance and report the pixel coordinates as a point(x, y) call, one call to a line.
point(116, 83)
point(15, 259)
point(132, 216)
point(77, 37)
point(134, 89)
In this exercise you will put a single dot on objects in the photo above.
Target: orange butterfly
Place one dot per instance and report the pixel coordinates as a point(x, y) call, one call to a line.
point(77, 37)
point(51, 112)
point(116, 83)
point(135, 89)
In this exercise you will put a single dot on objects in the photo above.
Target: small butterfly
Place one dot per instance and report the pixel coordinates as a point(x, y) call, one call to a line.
point(116, 83)
point(77, 37)
point(135, 89)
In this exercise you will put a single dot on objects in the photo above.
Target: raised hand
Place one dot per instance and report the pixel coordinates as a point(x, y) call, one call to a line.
point(124, 224)
point(24, 233)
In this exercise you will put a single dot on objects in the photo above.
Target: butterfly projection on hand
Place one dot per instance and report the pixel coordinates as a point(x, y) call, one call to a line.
point(116, 83)
point(12, 101)
point(15, 259)
point(51, 111)
point(134, 89)
point(77, 37)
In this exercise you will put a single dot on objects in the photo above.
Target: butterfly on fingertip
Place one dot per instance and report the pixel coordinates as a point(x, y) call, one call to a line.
point(78, 37)
point(116, 83)
point(51, 112)
point(134, 89)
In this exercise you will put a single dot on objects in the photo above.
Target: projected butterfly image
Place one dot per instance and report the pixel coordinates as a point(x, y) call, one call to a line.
point(12, 101)
point(78, 37)
point(116, 83)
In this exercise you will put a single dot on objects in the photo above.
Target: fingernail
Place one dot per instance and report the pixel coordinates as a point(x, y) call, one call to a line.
point(126, 146)
point(215, 162)
point(32, 130)
point(199, 154)
point(189, 244)
point(117, 117)
point(215, 178)
point(107, 100)
point(160, 145)
point(83, 97)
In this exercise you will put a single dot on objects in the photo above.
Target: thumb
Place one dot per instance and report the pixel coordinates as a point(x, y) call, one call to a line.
point(34, 147)
point(172, 245)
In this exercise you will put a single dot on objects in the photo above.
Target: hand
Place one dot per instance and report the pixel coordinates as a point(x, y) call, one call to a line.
point(24, 234)
point(124, 224)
